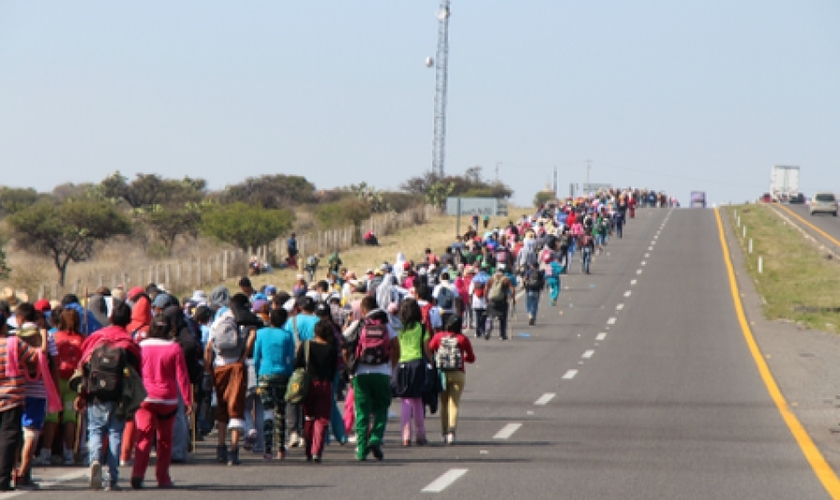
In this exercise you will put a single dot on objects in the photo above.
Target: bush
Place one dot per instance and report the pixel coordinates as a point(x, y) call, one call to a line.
point(343, 212)
point(246, 225)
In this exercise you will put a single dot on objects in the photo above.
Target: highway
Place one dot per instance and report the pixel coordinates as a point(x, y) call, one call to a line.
point(822, 226)
point(639, 385)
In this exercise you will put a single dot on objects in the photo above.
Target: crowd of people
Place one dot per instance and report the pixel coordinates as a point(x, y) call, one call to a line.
point(267, 368)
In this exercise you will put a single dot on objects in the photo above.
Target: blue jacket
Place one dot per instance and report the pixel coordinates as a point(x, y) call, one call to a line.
point(92, 323)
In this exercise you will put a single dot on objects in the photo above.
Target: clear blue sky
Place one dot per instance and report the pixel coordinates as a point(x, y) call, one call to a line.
point(668, 95)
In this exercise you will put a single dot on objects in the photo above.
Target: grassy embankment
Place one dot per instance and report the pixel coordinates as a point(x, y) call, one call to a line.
point(436, 234)
point(795, 273)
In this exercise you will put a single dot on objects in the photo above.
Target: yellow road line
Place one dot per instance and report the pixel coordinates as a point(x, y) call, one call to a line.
point(815, 228)
point(821, 468)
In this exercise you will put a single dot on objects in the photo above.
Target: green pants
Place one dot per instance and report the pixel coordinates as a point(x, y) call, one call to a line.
point(373, 398)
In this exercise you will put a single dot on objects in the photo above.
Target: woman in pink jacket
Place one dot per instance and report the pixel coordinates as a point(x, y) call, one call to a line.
point(161, 362)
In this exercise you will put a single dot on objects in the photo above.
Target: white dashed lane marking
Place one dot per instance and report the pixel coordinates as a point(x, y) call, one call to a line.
point(627, 293)
point(544, 399)
point(633, 282)
point(507, 431)
point(588, 354)
point(619, 307)
point(638, 271)
point(611, 321)
point(570, 375)
point(601, 336)
point(444, 481)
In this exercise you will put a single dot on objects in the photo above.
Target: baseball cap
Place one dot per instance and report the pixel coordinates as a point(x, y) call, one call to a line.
point(42, 305)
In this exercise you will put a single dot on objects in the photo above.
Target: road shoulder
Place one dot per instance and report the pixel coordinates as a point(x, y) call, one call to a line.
point(804, 362)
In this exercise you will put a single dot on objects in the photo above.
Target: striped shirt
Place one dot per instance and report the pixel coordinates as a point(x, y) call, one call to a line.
point(12, 389)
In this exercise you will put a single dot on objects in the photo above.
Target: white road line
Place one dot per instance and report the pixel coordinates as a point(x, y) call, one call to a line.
point(619, 307)
point(650, 249)
point(611, 321)
point(601, 336)
point(588, 354)
point(544, 399)
point(633, 282)
point(627, 293)
point(647, 255)
point(444, 481)
point(570, 375)
point(644, 263)
point(507, 431)
point(638, 271)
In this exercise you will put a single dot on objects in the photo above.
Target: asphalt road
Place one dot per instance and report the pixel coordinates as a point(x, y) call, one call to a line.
point(827, 223)
point(647, 388)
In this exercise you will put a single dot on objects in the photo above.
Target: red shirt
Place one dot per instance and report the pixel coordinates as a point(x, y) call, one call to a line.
point(463, 344)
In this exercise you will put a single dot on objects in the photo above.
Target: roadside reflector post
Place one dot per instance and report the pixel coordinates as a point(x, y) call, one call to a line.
point(745, 231)
point(751, 245)
point(760, 265)
point(739, 221)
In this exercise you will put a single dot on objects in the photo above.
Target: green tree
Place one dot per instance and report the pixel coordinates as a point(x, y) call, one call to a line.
point(169, 223)
point(471, 184)
point(373, 197)
point(543, 197)
point(5, 271)
point(245, 225)
point(349, 210)
point(271, 191)
point(437, 193)
point(66, 232)
point(16, 199)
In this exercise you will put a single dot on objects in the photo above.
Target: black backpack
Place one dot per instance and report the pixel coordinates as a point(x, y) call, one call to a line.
point(106, 372)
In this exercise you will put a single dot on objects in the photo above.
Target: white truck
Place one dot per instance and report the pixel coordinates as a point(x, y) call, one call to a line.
point(784, 182)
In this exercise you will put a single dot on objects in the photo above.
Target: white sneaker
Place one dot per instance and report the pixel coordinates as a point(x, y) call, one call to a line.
point(69, 459)
point(450, 438)
point(42, 458)
point(294, 439)
point(96, 475)
point(352, 439)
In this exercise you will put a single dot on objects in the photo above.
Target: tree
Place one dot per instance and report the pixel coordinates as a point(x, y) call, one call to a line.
point(432, 186)
point(271, 191)
point(4, 267)
point(348, 210)
point(543, 197)
point(245, 225)
point(66, 232)
point(149, 190)
point(169, 223)
point(371, 196)
point(16, 199)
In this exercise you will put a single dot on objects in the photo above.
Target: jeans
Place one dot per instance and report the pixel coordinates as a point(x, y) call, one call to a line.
point(373, 397)
point(255, 419)
point(181, 434)
point(336, 420)
point(480, 321)
point(102, 419)
point(532, 302)
point(585, 259)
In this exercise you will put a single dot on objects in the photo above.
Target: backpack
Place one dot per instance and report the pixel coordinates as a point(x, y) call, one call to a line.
point(69, 345)
point(105, 372)
point(374, 342)
point(226, 337)
point(497, 291)
point(449, 357)
point(445, 298)
point(478, 288)
point(534, 280)
point(311, 261)
point(547, 256)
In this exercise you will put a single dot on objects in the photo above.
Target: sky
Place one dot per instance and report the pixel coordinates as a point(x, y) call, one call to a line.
point(673, 96)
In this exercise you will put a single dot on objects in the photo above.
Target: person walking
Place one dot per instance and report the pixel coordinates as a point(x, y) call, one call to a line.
point(500, 294)
point(553, 270)
point(534, 282)
point(410, 380)
point(376, 351)
point(478, 299)
point(319, 357)
point(274, 353)
point(162, 362)
point(453, 351)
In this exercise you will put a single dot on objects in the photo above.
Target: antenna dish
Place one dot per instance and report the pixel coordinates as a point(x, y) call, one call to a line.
point(430, 62)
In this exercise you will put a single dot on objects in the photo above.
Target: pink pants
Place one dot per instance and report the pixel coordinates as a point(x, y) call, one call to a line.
point(151, 419)
point(350, 410)
point(316, 412)
point(412, 406)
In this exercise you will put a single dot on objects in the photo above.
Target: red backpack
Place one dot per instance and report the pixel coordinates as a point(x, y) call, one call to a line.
point(69, 345)
point(374, 342)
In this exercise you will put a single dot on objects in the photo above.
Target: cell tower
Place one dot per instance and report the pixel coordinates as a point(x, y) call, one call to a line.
point(439, 145)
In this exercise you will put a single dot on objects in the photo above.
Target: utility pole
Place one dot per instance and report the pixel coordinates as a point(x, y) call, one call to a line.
point(588, 166)
point(441, 77)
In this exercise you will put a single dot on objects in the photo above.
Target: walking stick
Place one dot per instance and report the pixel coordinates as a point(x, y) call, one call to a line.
point(193, 421)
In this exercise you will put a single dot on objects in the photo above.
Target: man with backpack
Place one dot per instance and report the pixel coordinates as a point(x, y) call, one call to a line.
point(108, 357)
point(500, 290)
point(446, 296)
point(372, 351)
point(534, 283)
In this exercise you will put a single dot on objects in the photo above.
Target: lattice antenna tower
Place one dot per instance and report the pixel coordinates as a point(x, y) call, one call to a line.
point(441, 76)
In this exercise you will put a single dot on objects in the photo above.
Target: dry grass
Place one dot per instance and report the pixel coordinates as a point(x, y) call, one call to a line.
point(121, 256)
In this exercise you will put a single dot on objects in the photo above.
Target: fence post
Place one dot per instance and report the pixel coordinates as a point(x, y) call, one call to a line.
point(209, 270)
point(225, 267)
point(760, 265)
point(166, 276)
